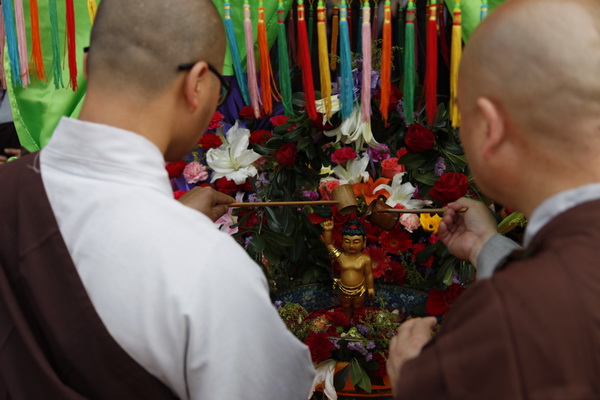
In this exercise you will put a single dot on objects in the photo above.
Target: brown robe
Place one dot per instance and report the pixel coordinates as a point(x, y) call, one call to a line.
point(532, 331)
point(53, 345)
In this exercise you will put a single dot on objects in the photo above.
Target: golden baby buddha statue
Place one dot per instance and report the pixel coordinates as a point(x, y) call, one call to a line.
point(356, 276)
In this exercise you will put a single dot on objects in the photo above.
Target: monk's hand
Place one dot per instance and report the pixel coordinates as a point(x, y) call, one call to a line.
point(408, 343)
point(10, 153)
point(208, 201)
point(465, 233)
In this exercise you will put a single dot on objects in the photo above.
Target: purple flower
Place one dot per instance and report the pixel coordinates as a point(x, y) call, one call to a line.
point(310, 194)
point(278, 304)
point(362, 329)
point(248, 242)
point(370, 345)
point(379, 152)
point(254, 198)
point(440, 166)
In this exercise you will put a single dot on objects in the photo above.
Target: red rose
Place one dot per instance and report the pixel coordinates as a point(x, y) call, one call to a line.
point(210, 141)
point(279, 120)
point(391, 168)
point(226, 186)
point(286, 155)
point(248, 112)
point(439, 301)
point(419, 139)
point(215, 122)
point(343, 154)
point(260, 137)
point(179, 193)
point(175, 169)
point(450, 187)
point(320, 346)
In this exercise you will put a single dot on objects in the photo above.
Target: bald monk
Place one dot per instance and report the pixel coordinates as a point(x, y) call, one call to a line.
point(109, 288)
point(529, 96)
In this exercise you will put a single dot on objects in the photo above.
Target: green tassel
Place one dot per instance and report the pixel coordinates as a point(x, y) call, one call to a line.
point(285, 83)
point(56, 67)
point(401, 40)
point(409, 64)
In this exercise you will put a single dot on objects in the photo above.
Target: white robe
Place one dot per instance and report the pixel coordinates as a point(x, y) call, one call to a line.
point(180, 297)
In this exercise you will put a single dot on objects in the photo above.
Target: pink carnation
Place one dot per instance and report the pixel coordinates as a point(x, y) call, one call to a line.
point(410, 222)
point(195, 172)
point(343, 154)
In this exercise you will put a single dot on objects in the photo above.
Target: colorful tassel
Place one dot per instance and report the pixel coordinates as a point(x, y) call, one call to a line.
point(291, 37)
point(56, 69)
point(250, 61)
point(335, 24)
point(37, 59)
point(409, 64)
point(285, 83)
point(305, 64)
point(401, 41)
point(235, 54)
point(350, 36)
point(267, 81)
point(347, 87)
point(375, 24)
point(432, 64)
point(385, 75)
point(365, 91)
point(455, 55)
point(359, 33)
point(484, 10)
point(22, 38)
point(311, 25)
point(92, 8)
point(71, 45)
point(2, 43)
point(11, 42)
point(323, 59)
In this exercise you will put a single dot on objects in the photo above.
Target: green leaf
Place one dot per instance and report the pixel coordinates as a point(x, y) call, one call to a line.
point(428, 178)
point(424, 254)
point(359, 376)
point(412, 160)
point(457, 160)
point(340, 378)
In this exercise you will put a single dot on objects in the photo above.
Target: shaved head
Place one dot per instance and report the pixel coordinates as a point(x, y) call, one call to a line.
point(539, 59)
point(136, 45)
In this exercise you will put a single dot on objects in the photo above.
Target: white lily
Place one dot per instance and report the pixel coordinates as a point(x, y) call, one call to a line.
point(234, 160)
point(335, 107)
point(354, 130)
point(401, 193)
point(355, 171)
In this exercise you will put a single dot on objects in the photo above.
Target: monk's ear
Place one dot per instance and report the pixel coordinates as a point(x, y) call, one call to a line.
point(495, 126)
point(194, 84)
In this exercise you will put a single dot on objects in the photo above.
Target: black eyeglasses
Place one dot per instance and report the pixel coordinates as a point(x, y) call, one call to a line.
point(225, 88)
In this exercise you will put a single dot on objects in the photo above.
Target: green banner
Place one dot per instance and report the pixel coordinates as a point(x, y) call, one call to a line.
point(471, 14)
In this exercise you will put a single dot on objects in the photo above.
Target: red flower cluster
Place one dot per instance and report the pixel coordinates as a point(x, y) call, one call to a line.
point(320, 346)
point(450, 187)
point(210, 141)
point(179, 193)
point(381, 370)
point(175, 169)
point(215, 121)
point(418, 139)
point(279, 120)
point(248, 113)
point(338, 318)
point(396, 241)
point(229, 187)
point(395, 273)
point(286, 155)
point(343, 154)
point(260, 136)
point(439, 301)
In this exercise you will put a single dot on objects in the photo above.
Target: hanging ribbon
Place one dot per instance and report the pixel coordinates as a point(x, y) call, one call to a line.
point(375, 24)
point(56, 69)
point(431, 67)
point(350, 22)
point(267, 81)
point(335, 24)
point(92, 8)
point(385, 75)
point(401, 41)
point(71, 45)
point(484, 10)
point(37, 59)
point(250, 61)
point(324, 59)
point(311, 25)
point(347, 87)
point(455, 55)
point(22, 39)
point(235, 53)
point(285, 82)
point(11, 42)
point(2, 42)
point(409, 64)
point(291, 37)
point(365, 91)
point(305, 64)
